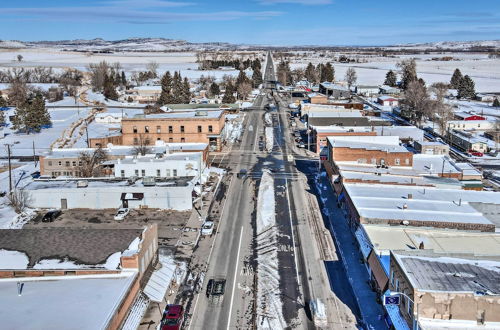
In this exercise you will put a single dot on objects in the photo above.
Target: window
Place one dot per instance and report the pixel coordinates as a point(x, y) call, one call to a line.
point(409, 304)
point(50, 163)
point(146, 129)
point(158, 173)
point(392, 277)
point(60, 163)
point(170, 129)
point(374, 161)
point(407, 161)
point(67, 163)
point(136, 172)
point(80, 163)
point(182, 129)
point(143, 172)
point(167, 172)
point(134, 129)
point(210, 128)
point(122, 173)
point(74, 163)
point(397, 161)
point(158, 139)
point(158, 129)
point(183, 140)
point(175, 172)
point(397, 285)
point(136, 141)
point(170, 140)
point(147, 142)
point(199, 129)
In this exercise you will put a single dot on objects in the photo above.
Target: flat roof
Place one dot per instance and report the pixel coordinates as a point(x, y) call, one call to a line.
point(104, 183)
point(196, 113)
point(402, 179)
point(368, 146)
point(379, 201)
point(66, 302)
point(194, 156)
point(335, 114)
point(432, 272)
point(385, 238)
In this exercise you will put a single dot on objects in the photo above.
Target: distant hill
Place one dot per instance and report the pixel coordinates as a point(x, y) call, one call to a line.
point(458, 45)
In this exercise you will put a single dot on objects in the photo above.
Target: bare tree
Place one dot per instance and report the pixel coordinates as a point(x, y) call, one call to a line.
point(244, 89)
point(98, 72)
point(351, 77)
point(18, 92)
point(19, 199)
point(142, 147)
point(152, 67)
point(416, 100)
point(19, 58)
point(90, 162)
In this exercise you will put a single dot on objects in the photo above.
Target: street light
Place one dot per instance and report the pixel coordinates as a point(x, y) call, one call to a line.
point(388, 301)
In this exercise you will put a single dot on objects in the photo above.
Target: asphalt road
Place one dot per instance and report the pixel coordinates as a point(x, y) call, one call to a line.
point(234, 252)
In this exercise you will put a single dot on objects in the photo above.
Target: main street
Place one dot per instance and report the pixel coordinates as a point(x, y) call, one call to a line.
point(302, 273)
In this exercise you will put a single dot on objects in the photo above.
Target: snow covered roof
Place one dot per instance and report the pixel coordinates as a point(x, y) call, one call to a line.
point(450, 183)
point(369, 146)
point(434, 164)
point(63, 302)
point(332, 86)
point(201, 114)
point(98, 183)
point(335, 113)
point(64, 248)
point(385, 238)
point(434, 272)
point(392, 202)
point(187, 156)
point(387, 98)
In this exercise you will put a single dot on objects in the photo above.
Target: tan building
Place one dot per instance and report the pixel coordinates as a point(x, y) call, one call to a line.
point(179, 127)
point(431, 148)
point(144, 94)
point(461, 291)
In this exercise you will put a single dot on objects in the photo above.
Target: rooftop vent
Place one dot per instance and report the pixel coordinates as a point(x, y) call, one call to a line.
point(201, 114)
point(405, 206)
point(82, 184)
point(410, 196)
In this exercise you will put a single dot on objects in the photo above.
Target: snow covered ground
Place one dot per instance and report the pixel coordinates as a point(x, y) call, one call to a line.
point(269, 306)
point(484, 71)
point(234, 127)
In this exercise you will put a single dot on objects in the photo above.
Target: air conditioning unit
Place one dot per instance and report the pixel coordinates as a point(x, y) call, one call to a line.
point(82, 184)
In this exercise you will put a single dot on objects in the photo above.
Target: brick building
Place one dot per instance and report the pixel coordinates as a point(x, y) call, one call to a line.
point(179, 127)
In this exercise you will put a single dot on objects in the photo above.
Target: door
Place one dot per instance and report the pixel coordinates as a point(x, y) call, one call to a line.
point(64, 203)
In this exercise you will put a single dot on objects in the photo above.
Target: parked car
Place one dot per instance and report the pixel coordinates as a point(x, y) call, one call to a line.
point(207, 228)
point(172, 317)
point(122, 213)
point(51, 215)
point(302, 145)
point(476, 153)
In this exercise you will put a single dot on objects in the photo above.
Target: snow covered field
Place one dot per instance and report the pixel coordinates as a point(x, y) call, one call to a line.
point(484, 71)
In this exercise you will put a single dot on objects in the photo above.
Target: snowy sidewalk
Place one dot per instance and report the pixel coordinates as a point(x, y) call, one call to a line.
point(371, 312)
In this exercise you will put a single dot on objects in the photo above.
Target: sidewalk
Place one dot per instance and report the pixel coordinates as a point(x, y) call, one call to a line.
point(371, 311)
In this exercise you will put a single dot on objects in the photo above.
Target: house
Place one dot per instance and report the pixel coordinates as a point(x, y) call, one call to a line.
point(144, 94)
point(334, 91)
point(461, 115)
point(318, 135)
point(366, 90)
point(485, 97)
point(375, 150)
point(466, 141)
point(317, 98)
point(387, 101)
point(388, 90)
point(447, 290)
point(148, 192)
point(198, 126)
point(66, 276)
point(431, 147)
point(108, 118)
point(467, 125)
point(160, 165)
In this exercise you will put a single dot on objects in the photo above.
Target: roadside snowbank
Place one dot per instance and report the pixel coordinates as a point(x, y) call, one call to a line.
point(269, 139)
point(269, 306)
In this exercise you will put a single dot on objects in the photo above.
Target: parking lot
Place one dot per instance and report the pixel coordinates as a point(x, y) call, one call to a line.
point(170, 223)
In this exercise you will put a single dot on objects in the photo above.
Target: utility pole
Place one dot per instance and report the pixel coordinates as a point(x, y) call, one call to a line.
point(87, 133)
point(34, 156)
point(10, 169)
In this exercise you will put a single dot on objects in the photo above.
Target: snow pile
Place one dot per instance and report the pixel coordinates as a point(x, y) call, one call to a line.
point(133, 248)
point(113, 262)
point(268, 120)
point(13, 260)
point(269, 139)
point(233, 129)
point(269, 306)
point(211, 171)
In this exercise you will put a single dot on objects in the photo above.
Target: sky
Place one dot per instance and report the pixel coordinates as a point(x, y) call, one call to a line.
point(266, 22)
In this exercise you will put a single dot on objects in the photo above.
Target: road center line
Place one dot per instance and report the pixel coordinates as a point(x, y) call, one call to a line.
point(234, 280)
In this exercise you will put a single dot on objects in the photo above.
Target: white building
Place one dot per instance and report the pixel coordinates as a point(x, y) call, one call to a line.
point(111, 194)
point(464, 125)
point(367, 90)
point(388, 101)
point(161, 165)
point(108, 118)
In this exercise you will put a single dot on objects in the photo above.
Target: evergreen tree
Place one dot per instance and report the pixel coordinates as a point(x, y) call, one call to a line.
point(242, 78)
point(328, 72)
point(467, 88)
point(456, 79)
point(2, 118)
point(284, 73)
point(3, 102)
point(229, 94)
point(496, 103)
point(390, 79)
point(186, 91)
point(109, 91)
point(256, 65)
point(177, 88)
point(166, 89)
point(257, 77)
point(214, 89)
point(123, 79)
point(31, 115)
point(310, 74)
point(408, 72)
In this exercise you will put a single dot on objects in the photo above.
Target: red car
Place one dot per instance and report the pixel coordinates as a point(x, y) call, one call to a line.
point(172, 317)
point(476, 153)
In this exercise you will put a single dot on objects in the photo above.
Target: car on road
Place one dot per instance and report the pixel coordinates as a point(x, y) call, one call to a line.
point(207, 228)
point(215, 290)
point(172, 317)
point(243, 172)
point(51, 215)
point(121, 214)
point(476, 153)
point(302, 145)
point(293, 124)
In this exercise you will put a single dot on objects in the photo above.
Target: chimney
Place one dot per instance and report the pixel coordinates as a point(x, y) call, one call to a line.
point(421, 246)
point(410, 196)
point(405, 206)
